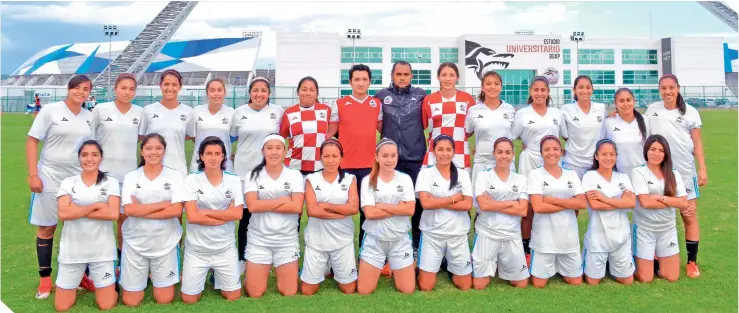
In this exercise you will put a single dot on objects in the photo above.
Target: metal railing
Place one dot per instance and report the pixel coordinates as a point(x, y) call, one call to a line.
point(17, 99)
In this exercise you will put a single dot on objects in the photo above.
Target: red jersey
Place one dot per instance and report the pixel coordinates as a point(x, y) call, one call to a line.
point(447, 116)
point(306, 129)
point(357, 129)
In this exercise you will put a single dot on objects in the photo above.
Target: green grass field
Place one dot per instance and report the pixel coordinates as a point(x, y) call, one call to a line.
point(715, 291)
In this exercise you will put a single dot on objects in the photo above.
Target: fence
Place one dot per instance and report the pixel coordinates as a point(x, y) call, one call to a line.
point(16, 99)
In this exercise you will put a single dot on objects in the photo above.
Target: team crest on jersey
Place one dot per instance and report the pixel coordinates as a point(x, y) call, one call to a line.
point(387, 100)
point(458, 186)
point(679, 120)
point(556, 122)
point(135, 121)
point(344, 187)
point(569, 184)
point(287, 186)
point(373, 103)
point(167, 186)
point(600, 119)
point(514, 188)
point(272, 116)
point(103, 192)
point(462, 107)
point(228, 194)
point(621, 186)
point(400, 188)
point(183, 117)
point(505, 116)
point(322, 114)
point(224, 120)
point(89, 123)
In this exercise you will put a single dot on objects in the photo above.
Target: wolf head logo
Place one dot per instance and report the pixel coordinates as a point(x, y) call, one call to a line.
point(482, 59)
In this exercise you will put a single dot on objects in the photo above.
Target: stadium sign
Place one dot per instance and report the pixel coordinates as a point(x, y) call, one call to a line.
point(543, 56)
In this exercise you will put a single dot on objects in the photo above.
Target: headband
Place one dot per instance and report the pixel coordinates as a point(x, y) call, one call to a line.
point(602, 141)
point(440, 137)
point(260, 78)
point(547, 137)
point(501, 139)
point(385, 141)
point(273, 137)
point(333, 141)
point(542, 79)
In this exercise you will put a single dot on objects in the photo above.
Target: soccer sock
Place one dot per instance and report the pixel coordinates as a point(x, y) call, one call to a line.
point(243, 228)
point(656, 268)
point(692, 248)
point(526, 248)
point(44, 248)
point(119, 255)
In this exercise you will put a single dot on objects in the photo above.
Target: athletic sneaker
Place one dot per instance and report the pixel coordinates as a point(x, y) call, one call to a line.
point(44, 288)
point(386, 271)
point(86, 283)
point(528, 260)
point(692, 269)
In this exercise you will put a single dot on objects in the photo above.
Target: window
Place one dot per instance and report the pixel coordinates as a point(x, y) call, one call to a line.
point(599, 95)
point(346, 92)
point(449, 55)
point(567, 77)
point(410, 55)
point(595, 56)
point(376, 77)
point(600, 77)
point(640, 77)
point(421, 77)
point(645, 96)
point(515, 85)
point(639, 56)
point(566, 56)
point(361, 55)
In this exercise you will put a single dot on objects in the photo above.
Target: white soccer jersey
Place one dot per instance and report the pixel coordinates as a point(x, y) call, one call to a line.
point(62, 133)
point(398, 189)
point(271, 229)
point(174, 125)
point(86, 240)
point(251, 127)
point(555, 232)
point(118, 134)
point(443, 222)
point(152, 238)
point(489, 125)
point(330, 235)
point(496, 225)
point(207, 124)
point(212, 239)
point(676, 129)
point(582, 131)
point(645, 183)
point(607, 230)
point(629, 142)
point(532, 127)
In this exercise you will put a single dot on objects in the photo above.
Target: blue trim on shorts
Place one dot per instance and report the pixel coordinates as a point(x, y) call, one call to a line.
point(179, 266)
point(360, 246)
point(584, 257)
point(633, 241)
point(30, 206)
point(420, 247)
point(532, 261)
point(695, 187)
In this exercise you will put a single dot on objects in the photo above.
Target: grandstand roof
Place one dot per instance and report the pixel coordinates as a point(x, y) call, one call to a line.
point(198, 55)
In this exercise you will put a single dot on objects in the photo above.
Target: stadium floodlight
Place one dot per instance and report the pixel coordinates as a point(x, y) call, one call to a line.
point(110, 31)
point(577, 36)
point(353, 34)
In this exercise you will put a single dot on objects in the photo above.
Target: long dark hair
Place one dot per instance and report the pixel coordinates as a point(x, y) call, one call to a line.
point(78, 80)
point(539, 79)
point(666, 166)
point(577, 79)
point(261, 165)
point(681, 106)
point(172, 72)
point(637, 115)
point(481, 97)
point(337, 144)
point(305, 79)
point(376, 166)
point(447, 64)
point(259, 79)
point(211, 141)
point(547, 138)
point(101, 175)
point(145, 140)
point(596, 164)
point(453, 175)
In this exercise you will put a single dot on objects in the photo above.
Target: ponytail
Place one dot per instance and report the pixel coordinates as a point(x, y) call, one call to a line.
point(681, 106)
point(453, 176)
point(642, 125)
point(257, 169)
point(374, 174)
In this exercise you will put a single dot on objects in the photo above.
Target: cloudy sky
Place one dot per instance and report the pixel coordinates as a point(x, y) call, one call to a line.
point(23, 34)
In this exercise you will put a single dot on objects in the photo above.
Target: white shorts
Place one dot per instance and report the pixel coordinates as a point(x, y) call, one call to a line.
point(545, 265)
point(44, 209)
point(645, 244)
point(691, 186)
point(620, 262)
point(135, 269)
point(456, 249)
point(507, 256)
point(316, 263)
point(70, 275)
point(580, 170)
point(528, 161)
point(195, 266)
point(274, 256)
point(398, 253)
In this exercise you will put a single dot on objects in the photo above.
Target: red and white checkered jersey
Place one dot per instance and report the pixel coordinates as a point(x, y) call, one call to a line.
point(447, 117)
point(306, 129)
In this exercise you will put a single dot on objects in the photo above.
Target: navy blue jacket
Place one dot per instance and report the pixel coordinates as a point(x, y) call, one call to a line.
point(402, 121)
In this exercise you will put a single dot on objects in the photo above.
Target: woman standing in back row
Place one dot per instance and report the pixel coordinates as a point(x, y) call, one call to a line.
point(582, 127)
point(213, 119)
point(306, 125)
point(681, 124)
point(249, 125)
point(628, 129)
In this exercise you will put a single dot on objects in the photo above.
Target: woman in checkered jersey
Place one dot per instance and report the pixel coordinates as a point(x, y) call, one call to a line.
point(445, 112)
point(305, 124)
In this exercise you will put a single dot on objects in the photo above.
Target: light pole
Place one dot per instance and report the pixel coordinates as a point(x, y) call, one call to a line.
point(353, 34)
point(110, 31)
point(577, 37)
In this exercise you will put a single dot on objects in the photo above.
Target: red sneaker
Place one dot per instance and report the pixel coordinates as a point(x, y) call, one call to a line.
point(44, 288)
point(86, 283)
point(528, 260)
